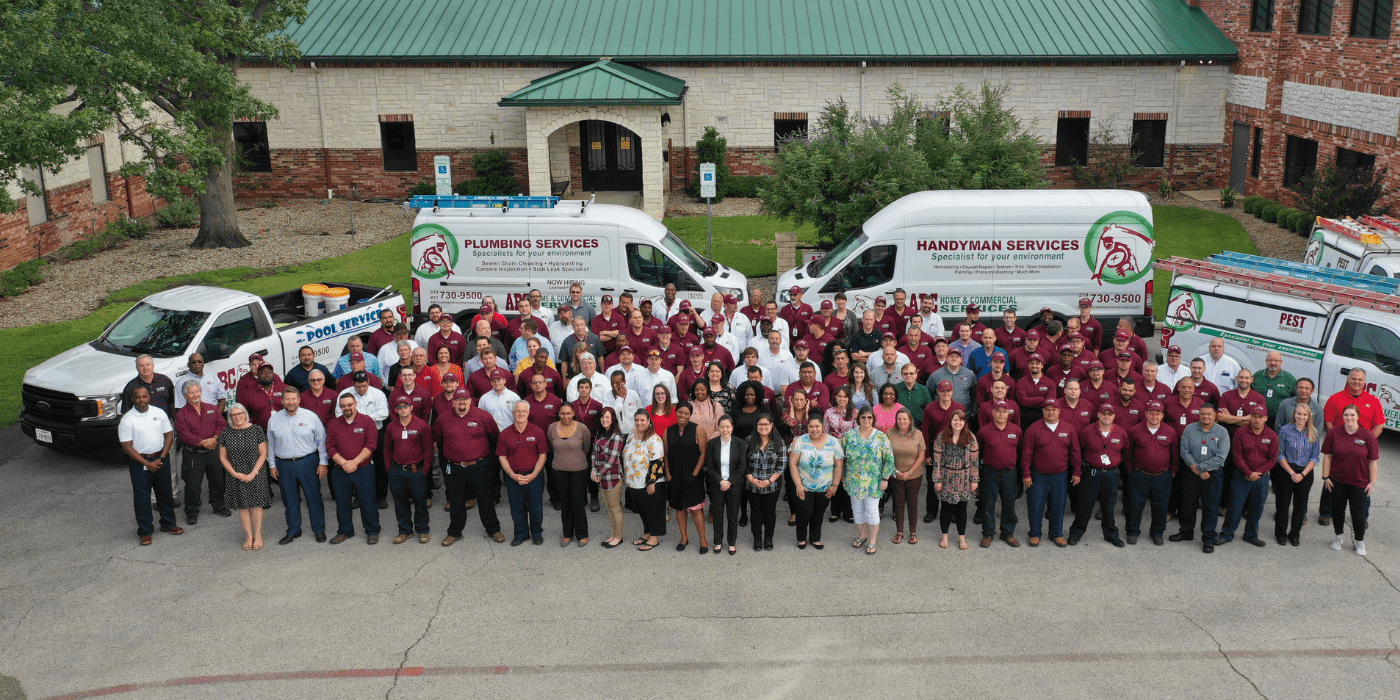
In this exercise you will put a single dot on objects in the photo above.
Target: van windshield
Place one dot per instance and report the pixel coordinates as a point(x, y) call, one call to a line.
point(151, 330)
point(825, 264)
point(692, 259)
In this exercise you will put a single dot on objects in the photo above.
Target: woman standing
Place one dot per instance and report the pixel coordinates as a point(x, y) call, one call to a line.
point(909, 448)
point(405, 360)
point(243, 452)
point(440, 369)
point(645, 472)
point(1350, 467)
point(607, 471)
point(845, 316)
point(685, 457)
point(837, 420)
point(1300, 450)
point(863, 391)
point(955, 476)
point(795, 416)
point(767, 462)
point(888, 408)
point(869, 465)
point(704, 411)
point(750, 407)
point(720, 391)
point(815, 467)
point(569, 440)
point(663, 414)
point(726, 468)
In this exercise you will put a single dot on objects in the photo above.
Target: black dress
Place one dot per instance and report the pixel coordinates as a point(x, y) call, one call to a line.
point(684, 489)
point(242, 446)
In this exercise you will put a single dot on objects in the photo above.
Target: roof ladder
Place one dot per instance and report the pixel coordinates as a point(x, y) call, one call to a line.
point(427, 201)
point(1351, 229)
point(1282, 284)
point(1345, 278)
point(1387, 223)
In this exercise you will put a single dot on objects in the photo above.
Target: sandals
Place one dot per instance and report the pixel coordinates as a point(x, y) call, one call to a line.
point(718, 547)
point(247, 545)
point(962, 542)
point(857, 544)
point(871, 549)
point(913, 538)
point(648, 547)
point(639, 541)
point(898, 537)
point(943, 542)
point(258, 545)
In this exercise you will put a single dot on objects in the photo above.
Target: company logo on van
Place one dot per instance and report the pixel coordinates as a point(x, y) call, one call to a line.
point(1314, 254)
point(433, 251)
point(1119, 248)
point(1184, 311)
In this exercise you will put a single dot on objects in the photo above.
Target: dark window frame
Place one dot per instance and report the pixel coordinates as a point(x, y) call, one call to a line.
point(1315, 17)
point(1299, 160)
point(1149, 143)
point(1371, 19)
point(403, 157)
point(1072, 141)
point(1261, 16)
point(648, 264)
point(1258, 149)
point(1359, 160)
point(254, 156)
point(784, 129)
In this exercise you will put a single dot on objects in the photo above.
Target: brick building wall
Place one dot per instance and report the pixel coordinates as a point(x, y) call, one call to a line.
point(72, 215)
point(303, 172)
point(1335, 89)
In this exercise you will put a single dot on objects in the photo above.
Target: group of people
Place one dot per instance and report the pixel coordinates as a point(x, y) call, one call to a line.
point(662, 408)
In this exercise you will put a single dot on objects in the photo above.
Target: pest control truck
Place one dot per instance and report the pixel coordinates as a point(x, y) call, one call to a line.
point(466, 248)
point(74, 400)
point(999, 249)
point(1325, 322)
point(1370, 244)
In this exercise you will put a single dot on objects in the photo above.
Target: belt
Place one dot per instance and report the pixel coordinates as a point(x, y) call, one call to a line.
point(407, 467)
point(467, 464)
point(1095, 471)
point(151, 455)
point(1148, 473)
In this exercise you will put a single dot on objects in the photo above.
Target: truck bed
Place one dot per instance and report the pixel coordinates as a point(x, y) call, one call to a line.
point(288, 309)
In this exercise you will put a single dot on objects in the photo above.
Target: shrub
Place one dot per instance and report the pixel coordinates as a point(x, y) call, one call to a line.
point(711, 148)
point(1335, 193)
point(1270, 212)
point(1303, 225)
point(424, 188)
point(1250, 203)
point(494, 177)
point(1227, 197)
point(21, 277)
point(744, 185)
point(179, 213)
point(1288, 218)
point(134, 229)
point(1165, 188)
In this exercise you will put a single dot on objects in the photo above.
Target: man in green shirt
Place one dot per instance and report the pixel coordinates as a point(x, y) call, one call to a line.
point(1274, 383)
point(911, 394)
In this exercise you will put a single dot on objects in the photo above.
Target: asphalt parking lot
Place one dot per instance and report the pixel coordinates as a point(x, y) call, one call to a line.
point(85, 611)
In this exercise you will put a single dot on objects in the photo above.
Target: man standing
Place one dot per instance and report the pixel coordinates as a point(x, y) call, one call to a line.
point(1066, 369)
point(350, 443)
point(866, 343)
point(887, 370)
point(297, 441)
point(796, 312)
point(636, 381)
point(383, 335)
point(373, 403)
point(466, 434)
point(669, 304)
point(1050, 452)
point(911, 394)
point(1254, 450)
point(1000, 443)
point(354, 345)
point(1010, 336)
point(210, 386)
point(973, 320)
point(980, 360)
point(1219, 367)
point(162, 396)
point(264, 397)
point(579, 307)
point(408, 455)
point(1033, 391)
point(430, 326)
point(1019, 359)
point(499, 401)
point(1204, 447)
point(359, 362)
point(388, 354)
point(146, 437)
point(1153, 455)
point(414, 393)
point(1151, 388)
point(1173, 371)
point(754, 310)
point(300, 376)
point(318, 399)
point(933, 323)
point(588, 369)
point(962, 379)
point(1128, 410)
point(581, 335)
point(1089, 327)
point(608, 324)
point(521, 449)
point(1274, 383)
point(1302, 394)
point(446, 337)
point(541, 368)
point(1206, 390)
point(1102, 445)
point(807, 384)
point(198, 424)
point(655, 374)
point(964, 342)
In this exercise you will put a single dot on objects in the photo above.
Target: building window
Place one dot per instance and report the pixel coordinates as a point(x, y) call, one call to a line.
point(1315, 17)
point(1299, 161)
point(788, 129)
point(1262, 19)
point(1370, 19)
point(37, 205)
point(1072, 141)
point(399, 150)
point(1149, 142)
point(253, 153)
point(1258, 147)
point(97, 173)
point(1348, 159)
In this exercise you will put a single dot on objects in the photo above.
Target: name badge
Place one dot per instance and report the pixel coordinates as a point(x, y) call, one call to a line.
point(404, 435)
point(1012, 436)
point(1269, 394)
point(1265, 441)
point(1204, 451)
point(1103, 459)
point(1114, 441)
point(358, 431)
point(1359, 442)
point(1183, 419)
point(1063, 435)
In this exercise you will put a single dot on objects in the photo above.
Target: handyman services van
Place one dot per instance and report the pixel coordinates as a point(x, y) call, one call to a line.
point(999, 249)
point(1370, 245)
point(467, 248)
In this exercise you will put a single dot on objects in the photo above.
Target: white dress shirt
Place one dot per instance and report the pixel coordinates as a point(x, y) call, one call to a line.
point(1221, 372)
point(731, 343)
point(933, 326)
point(295, 435)
point(212, 390)
point(782, 365)
point(146, 431)
point(389, 354)
point(557, 333)
point(741, 375)
point(625, 407)
point(501, 406)
point(373, 404)
point(635, 381)
point(662, 376)
point(1170, 376)
point(600, 382)
point(724, 460)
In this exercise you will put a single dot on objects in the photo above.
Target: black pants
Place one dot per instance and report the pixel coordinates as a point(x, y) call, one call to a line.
point(1290, 501)
point(841, 503)
point(724, 508)
point(930, 496)
point(381, 476)
point(572, 490)
point(652, 508)
point(764, 515)
point(1355, 496)
point(473, 478)
point(951, 513)
point(811, 511)
point(1101, 486)
point(551, 485)
point(197, 467)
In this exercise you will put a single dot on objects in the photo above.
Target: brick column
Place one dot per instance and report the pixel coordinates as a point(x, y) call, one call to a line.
point(787, 251)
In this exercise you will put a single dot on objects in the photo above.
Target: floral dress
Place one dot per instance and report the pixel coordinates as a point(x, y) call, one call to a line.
point(954, 466)
point(868, 461)
point(641, 462)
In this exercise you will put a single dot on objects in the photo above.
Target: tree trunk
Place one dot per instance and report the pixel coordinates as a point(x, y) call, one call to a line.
point(218, 216)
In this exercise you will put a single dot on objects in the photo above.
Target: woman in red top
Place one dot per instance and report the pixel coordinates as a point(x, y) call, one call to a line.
point(1350, 465)
point(663, 413)
point(433, 379)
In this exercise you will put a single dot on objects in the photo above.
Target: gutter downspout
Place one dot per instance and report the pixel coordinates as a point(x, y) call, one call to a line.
point(325, 148)
point(862, 89)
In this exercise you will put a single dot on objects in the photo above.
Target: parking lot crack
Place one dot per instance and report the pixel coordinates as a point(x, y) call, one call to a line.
point(1382, 573)
point(427, 628)
point(1220, 649)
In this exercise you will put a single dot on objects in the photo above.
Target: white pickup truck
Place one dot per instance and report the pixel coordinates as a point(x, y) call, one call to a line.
point(1370, 244)
point(74, 400)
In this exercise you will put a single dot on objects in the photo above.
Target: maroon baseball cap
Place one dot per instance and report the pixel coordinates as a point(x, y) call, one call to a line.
point(1076, 335)
point(607, 299)
point(973, 307)
point(888, 334)
point(1174, 349)
point(731, 299)
point(685, 304)
point(1043, 309)
point(794, 289)
point(448, 317)
point(940, 339)
point(256, 356)
point(955, 351)
point(800, 344)
point(403, 401)
point(1001, 405)
point(1095, 365)
point(1258, 411)
point(1066, 349)
point(945, 384)
point(1125, 356)
point(999, 355)
point(663, 328)
point(451, 376)
point(460, 394)
point(1105, 408)
point(1051, 403)
point(1035, 357)
point(710, 330)
point(626, 347)
point(826, 304)
point(1154, 406)
point(499, 373)
point(1120, 335)
point(1033, 333)
point(357, 357)
point(697, 351)
point(880, 300)
point(1086, 303)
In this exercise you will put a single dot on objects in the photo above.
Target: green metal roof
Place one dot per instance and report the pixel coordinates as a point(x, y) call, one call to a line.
point(750, 30)
point(600, 83)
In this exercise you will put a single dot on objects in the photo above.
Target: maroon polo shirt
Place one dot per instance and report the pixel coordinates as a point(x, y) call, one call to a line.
point(1113, 376)
point(1050, 451)
point(920, 356)
point(544, 412)
point(835, 381)
point(1019, 359)
point(1059, 375)
point(891, 323)
point(721, 355)
point(1109, 358)
point(1000, 447)
point(466, 438)
point(1106, 392)
point(984, 387)
point(588, 413)
point(936, 419)
point(261, 404)
point(419, 398)
point(984, 413)
point(455, 343)
point(640, 342)
point(673, 356)
point(1236, 405)
point(323, 406)
point(379, 339)
point(522, 448)
point(479, 385)
point(601, 324)
point(1153, 453)
point(1094, 446)
point(442, 405)
point(796, 317)
point(1086, 357)
point(195, 423)
point(551, 376)
point(541, 328)
point(1254, 454)
point(348, 438)
point(1092, 331)
point(1010, 340)
point(687, 379)
point(817, 396)
point(408, 444)
point(1157, 392)
point(1179, 416)
point(347, 381)
point(1208, 392)
point(1127, 416)
point(1080, 414)
point(1034, 394)
point(1351, 455)
point(817, 345)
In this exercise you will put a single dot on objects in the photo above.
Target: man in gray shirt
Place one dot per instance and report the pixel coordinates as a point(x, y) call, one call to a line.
point(1204, 448)
point(579, 307)
point(963, 380)
point(297, 441)
point(1304, 389)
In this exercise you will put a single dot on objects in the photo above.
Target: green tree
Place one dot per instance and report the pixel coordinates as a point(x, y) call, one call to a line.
point(982, 145)
point(160, 72)
point(711, 148)
point(1111, 164)
point(1334, 192)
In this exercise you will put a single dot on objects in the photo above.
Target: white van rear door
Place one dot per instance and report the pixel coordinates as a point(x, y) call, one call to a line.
point(1368, 341)
point(574, 251)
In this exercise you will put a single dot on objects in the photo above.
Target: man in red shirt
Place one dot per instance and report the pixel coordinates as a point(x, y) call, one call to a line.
point(408, 454)
point(318, 398)
point(796, 313)
point(466, 434)
point(1150, 389)
point(1000, 392)
point(263, 398)
point(1102, 445)
point(198, 425)
point(1254, 451)
point(807, 384)
point(1128, 411)
point(1098, 389)
point(841, 372)
point(637, 335)
point(357, 364)
point(974, 312)
point(384, 334)
point(673, 355)
point(1123, 369)
point(1020, 357)
point(1000, 443)
point(1066, 369)
point(541, 368)
point(414, 393)
point(350, 443)
point(1050, 452)
point(818, 337)
point(1009, 335)
point(608, 324)
point(522, 449)
point(1033, 391)
point(1206, 391)
point(446, 337)
point(1109, 357)
point(997, 373)
point(479, 383)
point(1153, 455)
point(1089, 326)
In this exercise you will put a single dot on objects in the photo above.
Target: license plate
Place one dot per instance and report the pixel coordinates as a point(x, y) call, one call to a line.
point(43, 435)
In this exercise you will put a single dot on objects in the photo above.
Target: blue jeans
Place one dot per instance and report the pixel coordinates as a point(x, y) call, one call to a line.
point(301, 473)
point(1047, 490)
point(1204, 494)
point(998, 485)
point(526, 501)
point(410, 492)
point(362, 480)
point(142, 483)
point(1245, 494)
point(1143, 488)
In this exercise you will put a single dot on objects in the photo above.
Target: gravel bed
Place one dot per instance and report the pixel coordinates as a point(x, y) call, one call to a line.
point(1273, 241)
point(294, 232)
point(682, 205)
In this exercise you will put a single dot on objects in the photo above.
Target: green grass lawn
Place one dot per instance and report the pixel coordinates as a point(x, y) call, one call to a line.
point(744, 243)
point(1192, 233)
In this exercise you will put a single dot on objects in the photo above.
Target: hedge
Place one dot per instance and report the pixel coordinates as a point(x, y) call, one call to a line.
point(1270, 212)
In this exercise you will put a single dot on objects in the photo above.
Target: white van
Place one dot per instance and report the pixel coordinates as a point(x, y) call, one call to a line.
point(465, 248)
point(1325, 322)
point(999, 249)
point(1370, 245)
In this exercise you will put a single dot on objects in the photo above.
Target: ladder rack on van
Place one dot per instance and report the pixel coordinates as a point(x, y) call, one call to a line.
point(435, 202)
point(1351, 229)
point(1283, 284)
point(1388, 223)
point(1344, 278)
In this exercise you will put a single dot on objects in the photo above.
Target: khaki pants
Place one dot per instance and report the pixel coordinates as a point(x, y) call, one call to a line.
point(612, 498)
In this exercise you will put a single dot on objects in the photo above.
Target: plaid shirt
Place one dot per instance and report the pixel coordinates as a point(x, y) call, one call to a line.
point(767, 463)
point(607, 460)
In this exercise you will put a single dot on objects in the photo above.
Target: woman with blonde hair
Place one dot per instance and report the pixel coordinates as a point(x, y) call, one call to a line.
point(1300, 452)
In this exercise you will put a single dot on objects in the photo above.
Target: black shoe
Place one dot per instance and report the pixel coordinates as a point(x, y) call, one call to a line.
point(1256, 542)
point(1132, 539)
point(383, 504)
point(320, 537)
point(744, 520)
point(1208, 548)
point(680, 546)
point(768, 544)
point(977, 519)
point(801, 545)
point(1182, 537)
point(1293, 541)
point(223, 512)
point(1116, 542)
point(928, 518)
point(1281, 540)
point(287, 539)
point(593, 504)
point(517, 541)
point(556, 505)
point(1073, 540)
point(538, 540)
point(1324, 520)
point(176, 503)
point(1157, 540)
point(192, 519)
point(757, 544)
point(354, 502)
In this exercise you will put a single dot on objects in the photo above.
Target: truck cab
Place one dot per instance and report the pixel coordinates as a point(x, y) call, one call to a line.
point(1369, 245)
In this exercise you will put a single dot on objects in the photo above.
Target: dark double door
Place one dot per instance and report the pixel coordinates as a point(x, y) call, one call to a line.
point(611, 157)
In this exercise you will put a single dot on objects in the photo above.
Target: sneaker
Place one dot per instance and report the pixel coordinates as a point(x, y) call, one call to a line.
point(1361, 547)
point(1337, 544)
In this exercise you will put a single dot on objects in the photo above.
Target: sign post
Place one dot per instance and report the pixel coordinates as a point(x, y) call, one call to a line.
point(442, 173)
point(707, 190)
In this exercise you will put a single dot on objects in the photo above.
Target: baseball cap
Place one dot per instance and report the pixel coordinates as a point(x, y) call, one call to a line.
point(1105, 408)
point(973, 307)
point(800, 344)
point(1095, 365)
point(360, 376)
point(451, 375)
point(826, 304)
point(685, 304)
point(1076, 335)
point(1051, 403)
point(888, 334)
point(1174, 349)
point(357, 357)
point(940, 339)
point(1043, 309)
point(731, 299)
point(1035, 357)
point(794, 289)
point(945, 384)
point(461, 394)
point(880, 300)
point(626, 347)
point(1066, 349)
point(1258, 411)
point(1033, 333)
point(1123, 335)
point(1085, 303)
point(607, 299)
point(1125, 356)
point(499, 373)
point(448, 317)
point(663, 329)
point(403, 401)
point(1001, 405)
point(955, 351)
point(710, 330)
point(1154, 406)
point(255, 356)
point(999, 355)
point(697, 352)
